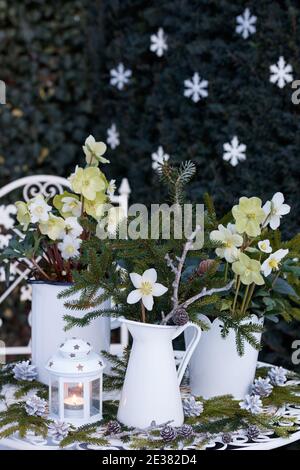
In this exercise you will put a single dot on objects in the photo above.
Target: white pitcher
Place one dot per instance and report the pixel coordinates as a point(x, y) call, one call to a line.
point(151, 387)
point(216, 367)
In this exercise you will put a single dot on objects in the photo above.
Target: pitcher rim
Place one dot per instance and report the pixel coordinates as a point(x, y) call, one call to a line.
point(134, 322)
point(50, 283)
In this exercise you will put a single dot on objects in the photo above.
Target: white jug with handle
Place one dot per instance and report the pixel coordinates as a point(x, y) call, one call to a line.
point(151, 387)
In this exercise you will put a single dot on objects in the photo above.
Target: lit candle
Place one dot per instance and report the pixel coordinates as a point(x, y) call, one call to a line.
point(73, 406)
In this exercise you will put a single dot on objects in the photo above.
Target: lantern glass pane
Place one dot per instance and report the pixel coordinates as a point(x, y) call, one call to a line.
point(54, 405)
point(73, 400)
point(94, 397)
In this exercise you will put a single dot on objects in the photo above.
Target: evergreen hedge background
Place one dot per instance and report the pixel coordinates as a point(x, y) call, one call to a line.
point(56, 59)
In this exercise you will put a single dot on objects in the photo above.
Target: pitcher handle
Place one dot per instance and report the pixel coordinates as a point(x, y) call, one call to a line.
point(190, 349)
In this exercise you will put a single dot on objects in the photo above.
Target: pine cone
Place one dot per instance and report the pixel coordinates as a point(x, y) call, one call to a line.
point(180, 317)
point(113, 427)
point(226, 437)
point(262, 387)
point(58, 430)
point(185, 431)
point(36, 406)
point(204, 266)
point(25, 371)
point(168, 433)
point(252, 432)
point(191, 407)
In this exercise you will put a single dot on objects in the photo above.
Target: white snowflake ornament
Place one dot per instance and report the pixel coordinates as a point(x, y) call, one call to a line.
point(246, 24)
point(158, 43)
point(113, 136)
point(119, 77)
point(159, 157)
point(195, 88)
point(234, 152)
point(281, 73)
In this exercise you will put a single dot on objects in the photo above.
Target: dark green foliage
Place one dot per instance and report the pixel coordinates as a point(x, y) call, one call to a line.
point(115, 380)
point(15, 419)
point(48, 113)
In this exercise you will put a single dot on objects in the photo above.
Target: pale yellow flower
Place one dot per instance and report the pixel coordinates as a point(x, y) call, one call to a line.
point(248, 269)
point(88, 182)
point(94, 150)
point(248, 216)
point(54, 228)
point(95, 208)
point(67, 204)
point(23, 214)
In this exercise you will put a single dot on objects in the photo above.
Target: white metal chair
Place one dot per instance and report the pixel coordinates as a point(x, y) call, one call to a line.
point(48, 186)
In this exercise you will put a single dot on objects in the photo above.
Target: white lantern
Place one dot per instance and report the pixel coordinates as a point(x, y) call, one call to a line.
point(75, 383)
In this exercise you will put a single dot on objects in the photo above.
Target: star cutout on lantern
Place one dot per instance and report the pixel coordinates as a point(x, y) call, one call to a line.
point(62, 344)
point(88, 352)
point(88, 343)
point(72, 355)
point(100, 363)
point(76, 346)
point(80, 367)
point(50, 364)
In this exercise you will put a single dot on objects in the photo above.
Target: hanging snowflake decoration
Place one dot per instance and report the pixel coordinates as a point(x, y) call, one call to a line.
point(36, 406)
point(234, 152)
point(195, 88)
point(262, 387)
point(281, 73)
point(158, 43)
point(25, 371)
point(5, 216)
point(246, 24)
point(25, 293)
point(159, 157)
point(113, 136)
point(119, 77)
point(58, 430)
point(252, 403)
point(277, 376)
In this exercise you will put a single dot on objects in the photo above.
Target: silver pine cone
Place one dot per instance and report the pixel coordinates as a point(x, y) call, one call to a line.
point(36, 406)
point(262, 387)
point(191, 407)
point(25, 371)
point(58, 430)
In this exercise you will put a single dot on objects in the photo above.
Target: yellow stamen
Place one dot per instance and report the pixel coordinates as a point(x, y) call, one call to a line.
point(146, 288)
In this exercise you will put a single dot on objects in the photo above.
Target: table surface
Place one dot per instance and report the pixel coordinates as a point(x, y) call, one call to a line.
point(265, 441)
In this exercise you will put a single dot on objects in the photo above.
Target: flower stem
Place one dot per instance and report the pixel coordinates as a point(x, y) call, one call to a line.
point(238, 283)
point(226, 271)
point(249, 297)
point(244, 299)
point(143, 312)
point(35, 264)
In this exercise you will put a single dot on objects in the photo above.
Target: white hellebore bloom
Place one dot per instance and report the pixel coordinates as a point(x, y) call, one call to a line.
point(264, 246)
point(275, 209)
point(246, 24)
point(94, 150)
point(73, 227)
point(146, 288)
point(234, 152)
point(69, 247)
point(159, 157)
point(111, 188)
point(158, 43)
point(196, 88)
point(281, 73)
point(272, 263)
point(39, 209)
point(119, 76)
point(230, 241)
point(72, 205)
